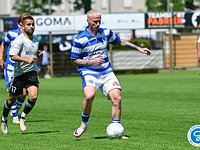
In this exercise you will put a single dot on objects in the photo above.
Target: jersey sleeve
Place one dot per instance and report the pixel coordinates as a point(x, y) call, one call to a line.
point(16, 46)
point(114, 38)
point(76, 49)
point(7, 39)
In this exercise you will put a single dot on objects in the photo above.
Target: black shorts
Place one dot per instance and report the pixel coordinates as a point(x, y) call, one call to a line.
point(23, 81)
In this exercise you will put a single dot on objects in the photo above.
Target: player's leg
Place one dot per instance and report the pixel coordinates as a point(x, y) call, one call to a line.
point(8, 73)
point(17, 105)
point(7, 106)
point(112, 89)
point(115, 97)
point(30, 103)
point(15, 90)
point(89, 95)
point(32, 87)
point(20, 100)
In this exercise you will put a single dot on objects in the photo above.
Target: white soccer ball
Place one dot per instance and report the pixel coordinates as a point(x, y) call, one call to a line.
point(115, 130)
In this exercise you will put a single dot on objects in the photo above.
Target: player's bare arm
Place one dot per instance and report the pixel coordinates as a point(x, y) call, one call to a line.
point(140, 49)
point(96, 61)
point(22, 59)
point(1, 55)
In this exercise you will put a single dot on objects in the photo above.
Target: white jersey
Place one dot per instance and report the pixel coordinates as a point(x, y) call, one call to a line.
point(26, 48)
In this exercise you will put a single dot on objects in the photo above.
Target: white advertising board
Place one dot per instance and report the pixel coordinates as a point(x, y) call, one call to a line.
point(53, 23)
point(114, 21)
point(123, 21)
point(59, 24)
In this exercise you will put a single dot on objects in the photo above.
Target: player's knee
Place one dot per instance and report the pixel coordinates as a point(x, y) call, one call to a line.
point(116, 100)
point(33, 97)
point(89, 97)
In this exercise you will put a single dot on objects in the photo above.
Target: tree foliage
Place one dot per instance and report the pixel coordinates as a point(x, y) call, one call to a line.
point(178, 5)
point(34, 7)
point(85, 4)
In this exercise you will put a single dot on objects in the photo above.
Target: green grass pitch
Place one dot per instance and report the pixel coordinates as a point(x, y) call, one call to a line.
point(157, 112)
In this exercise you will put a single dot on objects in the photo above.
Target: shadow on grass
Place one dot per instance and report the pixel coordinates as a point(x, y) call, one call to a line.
point(40, 120)
point(40, 132)
point(101, 137)
point(125, 137)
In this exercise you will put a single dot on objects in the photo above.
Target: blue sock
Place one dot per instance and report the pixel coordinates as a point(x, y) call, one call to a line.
point(116, 121)
point(19, 103)
point(85, 117)
point(14, 110)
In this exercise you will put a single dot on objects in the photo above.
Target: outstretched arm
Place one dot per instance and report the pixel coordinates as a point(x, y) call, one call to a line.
point(140, 49)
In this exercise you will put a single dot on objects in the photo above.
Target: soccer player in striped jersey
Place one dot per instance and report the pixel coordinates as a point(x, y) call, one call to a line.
point(9, 65)
point(90, 53)
point(24, 51)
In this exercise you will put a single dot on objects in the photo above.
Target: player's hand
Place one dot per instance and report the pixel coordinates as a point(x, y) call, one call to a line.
point(145, 51)
point(98, 61)
point(31, 60)
point(2, 63)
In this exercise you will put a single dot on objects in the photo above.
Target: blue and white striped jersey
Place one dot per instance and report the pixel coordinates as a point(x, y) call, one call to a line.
point(7, 41)
point(87, 46)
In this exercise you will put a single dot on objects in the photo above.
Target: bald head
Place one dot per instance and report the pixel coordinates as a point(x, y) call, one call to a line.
point(94, 21)
point(92, 13)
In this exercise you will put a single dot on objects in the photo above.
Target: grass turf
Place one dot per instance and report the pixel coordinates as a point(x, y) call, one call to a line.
point(157, 112)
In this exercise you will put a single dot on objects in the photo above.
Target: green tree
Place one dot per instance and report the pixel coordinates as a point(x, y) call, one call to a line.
point(34, 7)
point(178, 5)
point(85, 4)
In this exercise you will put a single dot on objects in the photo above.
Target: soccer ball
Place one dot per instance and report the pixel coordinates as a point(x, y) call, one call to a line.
point(115, 130)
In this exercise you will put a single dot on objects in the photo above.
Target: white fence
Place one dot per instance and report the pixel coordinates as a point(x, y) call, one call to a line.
point(127, 60)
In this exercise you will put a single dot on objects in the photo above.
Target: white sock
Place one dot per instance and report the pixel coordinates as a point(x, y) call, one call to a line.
point(4, 118)
point(85, 124)
point(23, 115)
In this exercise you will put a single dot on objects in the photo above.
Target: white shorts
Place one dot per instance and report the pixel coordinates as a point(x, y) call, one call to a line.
point(105, 82)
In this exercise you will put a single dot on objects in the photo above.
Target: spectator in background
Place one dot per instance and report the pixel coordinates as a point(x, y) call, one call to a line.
point(198, 49)
point(65, 48)
point(46, 62)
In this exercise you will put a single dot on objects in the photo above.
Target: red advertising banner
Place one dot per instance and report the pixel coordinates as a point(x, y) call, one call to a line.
point(179, 20)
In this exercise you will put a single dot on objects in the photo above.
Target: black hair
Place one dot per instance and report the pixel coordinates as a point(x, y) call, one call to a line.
point(27, 17)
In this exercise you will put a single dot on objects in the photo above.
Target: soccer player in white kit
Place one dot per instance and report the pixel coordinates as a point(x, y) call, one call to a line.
point(90, 53)
point(9, 65)
point(24, 52)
